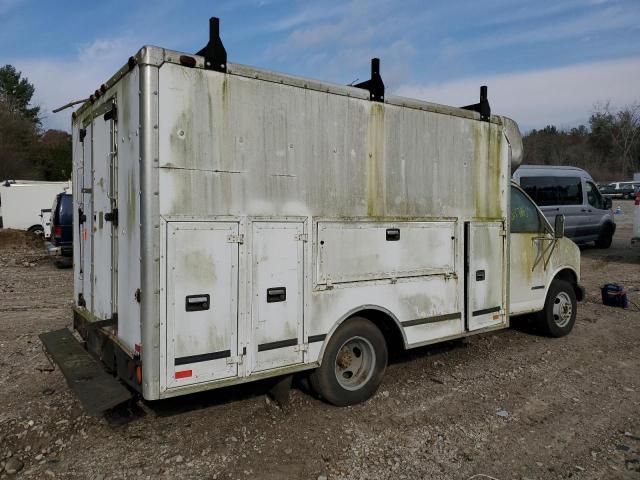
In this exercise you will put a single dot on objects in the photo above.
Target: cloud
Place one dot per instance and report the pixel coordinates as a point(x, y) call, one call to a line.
point(59, 81)
point(561, 96)
point(610, 19)
point(309, 14)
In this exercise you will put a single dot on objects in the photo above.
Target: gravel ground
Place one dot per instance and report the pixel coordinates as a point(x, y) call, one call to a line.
point(511, 405)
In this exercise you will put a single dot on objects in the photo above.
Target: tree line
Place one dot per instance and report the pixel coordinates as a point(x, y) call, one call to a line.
point(608, 147)
point(27, 151)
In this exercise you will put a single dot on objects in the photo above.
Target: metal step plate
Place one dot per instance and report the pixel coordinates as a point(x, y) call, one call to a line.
point(97, 390)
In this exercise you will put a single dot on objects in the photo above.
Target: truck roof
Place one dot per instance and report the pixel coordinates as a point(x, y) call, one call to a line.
point(152, 55)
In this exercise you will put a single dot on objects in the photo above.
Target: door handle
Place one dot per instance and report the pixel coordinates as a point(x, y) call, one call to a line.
point(393, 234)
point(194, 303)
point(277, 294)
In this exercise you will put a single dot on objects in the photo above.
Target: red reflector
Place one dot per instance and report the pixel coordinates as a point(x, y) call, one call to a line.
point(187, 61)
point(184, 374)
point(57, 232)
point(137, 347)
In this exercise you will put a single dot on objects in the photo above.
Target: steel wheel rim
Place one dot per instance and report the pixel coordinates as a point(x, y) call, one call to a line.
point(355, 363)
point(562, 309)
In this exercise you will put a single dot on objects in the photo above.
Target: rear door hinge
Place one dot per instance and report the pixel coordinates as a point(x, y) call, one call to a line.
point(303, 347)
point(503, 233)
point(235, 239)
point(302, 237)
point(111, 114)
point(112, 217)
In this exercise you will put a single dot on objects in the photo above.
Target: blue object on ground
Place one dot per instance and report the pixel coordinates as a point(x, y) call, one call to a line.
point(614, 295)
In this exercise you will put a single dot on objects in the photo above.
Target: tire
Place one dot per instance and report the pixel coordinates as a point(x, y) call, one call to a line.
point(37, 230)
point(560, 307)
point(353, 364)
point(605, 238)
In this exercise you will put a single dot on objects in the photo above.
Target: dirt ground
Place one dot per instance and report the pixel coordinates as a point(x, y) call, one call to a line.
point(511, 405)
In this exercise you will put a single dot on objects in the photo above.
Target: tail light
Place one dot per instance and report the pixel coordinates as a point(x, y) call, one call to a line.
point(57, 232)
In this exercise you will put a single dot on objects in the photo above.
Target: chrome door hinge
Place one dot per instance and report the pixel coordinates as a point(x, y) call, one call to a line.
point(235, 238)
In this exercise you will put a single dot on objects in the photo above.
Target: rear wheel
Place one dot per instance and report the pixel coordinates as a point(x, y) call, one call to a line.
point(605, 238)
point(353, 364)
point(37, 230)
point(560, 307)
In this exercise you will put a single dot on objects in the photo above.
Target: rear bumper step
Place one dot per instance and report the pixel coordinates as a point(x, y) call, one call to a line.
point(97, 390)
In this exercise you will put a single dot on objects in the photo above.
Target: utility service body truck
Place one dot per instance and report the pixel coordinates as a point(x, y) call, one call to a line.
point(237, 224)
point(24, 203)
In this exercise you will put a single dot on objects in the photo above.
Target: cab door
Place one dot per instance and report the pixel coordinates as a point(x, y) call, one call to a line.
point(530, 244)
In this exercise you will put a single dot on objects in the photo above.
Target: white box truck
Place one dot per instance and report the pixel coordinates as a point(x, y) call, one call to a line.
point(22, 202)
point(237, 224)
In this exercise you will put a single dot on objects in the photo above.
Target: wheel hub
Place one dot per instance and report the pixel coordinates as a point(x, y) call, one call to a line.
point(562, 309)
point(355, 363)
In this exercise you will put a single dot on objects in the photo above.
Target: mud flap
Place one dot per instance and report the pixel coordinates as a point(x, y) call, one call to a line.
point(97, 390)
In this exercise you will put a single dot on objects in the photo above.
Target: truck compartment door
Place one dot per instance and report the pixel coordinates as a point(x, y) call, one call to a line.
point(485, 278)
point(277, 294)
point(202, 301)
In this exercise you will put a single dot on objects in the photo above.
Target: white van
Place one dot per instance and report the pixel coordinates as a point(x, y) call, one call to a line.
point(237, 224)
point(570, 191)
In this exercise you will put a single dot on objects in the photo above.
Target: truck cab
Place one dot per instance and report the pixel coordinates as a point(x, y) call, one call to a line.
point(544, 266)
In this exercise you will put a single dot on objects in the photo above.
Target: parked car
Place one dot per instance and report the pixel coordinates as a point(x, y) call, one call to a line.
point(622, 190)
point(61, 243)
point(572, 192)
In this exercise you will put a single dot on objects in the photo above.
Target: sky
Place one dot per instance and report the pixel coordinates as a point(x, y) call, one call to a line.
point(544, 61)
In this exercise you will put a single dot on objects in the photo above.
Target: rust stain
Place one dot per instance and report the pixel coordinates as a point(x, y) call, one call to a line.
point(376, 194)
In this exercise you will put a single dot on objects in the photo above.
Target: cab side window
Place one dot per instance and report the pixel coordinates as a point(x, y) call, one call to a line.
point(524, 214)
point(593, 197)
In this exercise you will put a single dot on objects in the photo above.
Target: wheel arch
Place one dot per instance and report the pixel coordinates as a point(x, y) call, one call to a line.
point(34, 227)
point(569, 275)
point(381, 317)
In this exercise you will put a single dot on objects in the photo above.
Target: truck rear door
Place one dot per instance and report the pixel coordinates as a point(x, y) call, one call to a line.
point(104, 213)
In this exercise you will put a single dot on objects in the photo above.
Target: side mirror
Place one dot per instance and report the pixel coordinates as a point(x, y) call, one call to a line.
point(559, 226)
point(608, 203)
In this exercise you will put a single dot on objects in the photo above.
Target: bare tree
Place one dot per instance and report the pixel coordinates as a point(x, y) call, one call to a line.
point(626, 136)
